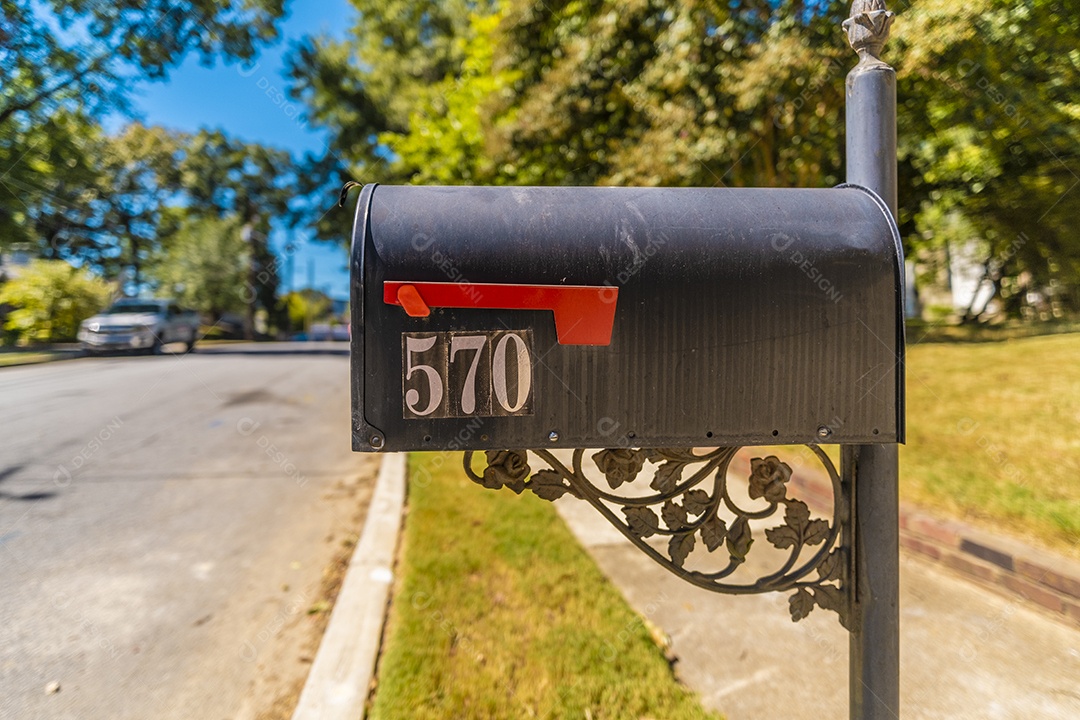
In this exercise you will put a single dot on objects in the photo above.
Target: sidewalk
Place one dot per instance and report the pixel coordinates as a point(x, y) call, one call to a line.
point(966, 652)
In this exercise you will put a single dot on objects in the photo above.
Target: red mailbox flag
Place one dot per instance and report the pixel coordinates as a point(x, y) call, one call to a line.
point(584, 314)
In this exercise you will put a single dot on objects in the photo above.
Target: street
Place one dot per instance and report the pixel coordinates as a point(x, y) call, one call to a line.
point(165, 524)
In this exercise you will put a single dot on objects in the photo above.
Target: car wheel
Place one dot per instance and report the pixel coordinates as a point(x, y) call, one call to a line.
point(157, 348)
point(190, 346)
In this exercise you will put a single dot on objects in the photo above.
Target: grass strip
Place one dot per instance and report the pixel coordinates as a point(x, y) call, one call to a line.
point(992, 436)
point(499, 613)
point(28, 358)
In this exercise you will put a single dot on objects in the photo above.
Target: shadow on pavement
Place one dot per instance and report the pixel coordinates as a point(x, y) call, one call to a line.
point(27, 497)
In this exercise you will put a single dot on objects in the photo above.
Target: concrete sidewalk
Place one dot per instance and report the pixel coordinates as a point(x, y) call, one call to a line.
point(965, 652)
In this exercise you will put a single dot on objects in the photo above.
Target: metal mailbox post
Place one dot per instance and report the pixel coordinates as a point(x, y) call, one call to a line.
point(671, 326)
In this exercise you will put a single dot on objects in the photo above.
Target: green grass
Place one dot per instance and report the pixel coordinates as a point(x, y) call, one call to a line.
point(499, 613)
point(994, 435)
point(24, 358)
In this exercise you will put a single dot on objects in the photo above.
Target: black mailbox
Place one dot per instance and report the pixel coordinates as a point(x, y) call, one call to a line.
point(499, 317)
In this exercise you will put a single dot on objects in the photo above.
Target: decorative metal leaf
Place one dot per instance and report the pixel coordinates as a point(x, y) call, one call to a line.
point(667, 476)
point(801, 603)
point(739, 539)
point(816, 531)
point(641, 520)
point(674, 515)
point(829, 597)
point(548, 485)
point(696, 502)
point(832, 567)
point(679, 547)
point(797, 515)
point(782, 537)
point(713, 533)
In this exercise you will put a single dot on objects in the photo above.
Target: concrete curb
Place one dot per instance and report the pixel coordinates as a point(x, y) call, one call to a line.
point(337, 686)
point(1040, 577)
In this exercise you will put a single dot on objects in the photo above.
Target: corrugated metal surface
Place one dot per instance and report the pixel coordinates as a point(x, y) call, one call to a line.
point(744, 316)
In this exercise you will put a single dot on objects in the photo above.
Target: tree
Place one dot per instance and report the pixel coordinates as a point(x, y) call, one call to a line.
point(66, 65)
point(50, 298)
point(221, 175)
point(137, 179)
point(47, 173)
point(661, 93)
point(307, 306)
point(584, 92)
point(204, 265)
point(654, 92)
point(449, 128)
point(370, 84)
point(989, 135)
point(56, 53)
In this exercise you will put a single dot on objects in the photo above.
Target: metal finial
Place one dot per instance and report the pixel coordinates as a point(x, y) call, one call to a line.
point(868, 28)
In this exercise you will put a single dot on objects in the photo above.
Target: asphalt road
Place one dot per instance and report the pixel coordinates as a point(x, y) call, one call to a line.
point(164, 527)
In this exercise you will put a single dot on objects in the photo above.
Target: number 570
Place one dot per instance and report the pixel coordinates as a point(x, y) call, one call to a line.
point(466, 374)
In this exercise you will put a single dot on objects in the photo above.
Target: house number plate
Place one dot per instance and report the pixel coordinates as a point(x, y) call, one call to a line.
point(466, 374)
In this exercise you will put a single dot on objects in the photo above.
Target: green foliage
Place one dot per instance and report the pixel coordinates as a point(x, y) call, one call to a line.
point(307, 306)
point(448, 127)
point(47, 169)
point(988, 128)
point(205, 266)
point(67, 188)
point(50, 298)
point(691, 93)
point(653, 92)
point(136, 177)
point(85, 54)
point(372, 83)
point(221, 175)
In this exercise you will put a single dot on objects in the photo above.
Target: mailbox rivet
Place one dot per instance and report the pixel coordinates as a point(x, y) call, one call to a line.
point(376, 441)
point(553, 436)
point(824, 431)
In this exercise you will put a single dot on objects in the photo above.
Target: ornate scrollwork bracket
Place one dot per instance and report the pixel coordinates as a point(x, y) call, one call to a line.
point(814, 558)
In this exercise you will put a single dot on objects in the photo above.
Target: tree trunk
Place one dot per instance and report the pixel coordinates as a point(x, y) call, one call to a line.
point(970, 316)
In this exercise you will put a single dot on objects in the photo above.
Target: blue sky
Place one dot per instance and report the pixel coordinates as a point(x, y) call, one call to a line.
point(246, 101)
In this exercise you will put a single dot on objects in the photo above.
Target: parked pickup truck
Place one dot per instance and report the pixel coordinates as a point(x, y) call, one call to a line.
point(136, 324)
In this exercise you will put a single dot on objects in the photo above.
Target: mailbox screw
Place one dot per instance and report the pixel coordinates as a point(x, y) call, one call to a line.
point(553, 436)
point(824, 432)
point(376, 441)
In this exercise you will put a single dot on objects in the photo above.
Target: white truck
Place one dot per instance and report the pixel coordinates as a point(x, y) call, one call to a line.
point(138, 324)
